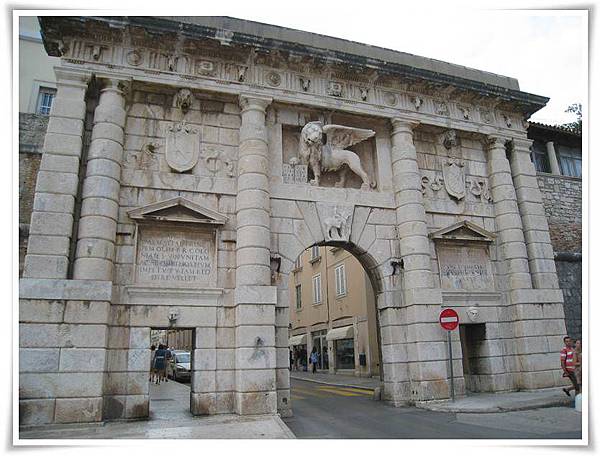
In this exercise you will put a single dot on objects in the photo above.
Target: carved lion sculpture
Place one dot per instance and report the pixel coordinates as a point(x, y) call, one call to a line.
point(184, 100)
point(336, 226)
point(332, 155)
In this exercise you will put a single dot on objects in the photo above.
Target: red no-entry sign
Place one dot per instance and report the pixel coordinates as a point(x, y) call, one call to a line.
point(449, 319)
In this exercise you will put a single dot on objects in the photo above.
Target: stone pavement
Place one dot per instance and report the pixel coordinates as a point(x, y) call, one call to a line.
point(170, 419)
point(473, 403)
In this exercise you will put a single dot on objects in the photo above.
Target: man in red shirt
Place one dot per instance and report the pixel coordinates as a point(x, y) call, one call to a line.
point(568, 366)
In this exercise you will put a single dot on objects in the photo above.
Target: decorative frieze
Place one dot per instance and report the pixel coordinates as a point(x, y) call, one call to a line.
point(256, 72)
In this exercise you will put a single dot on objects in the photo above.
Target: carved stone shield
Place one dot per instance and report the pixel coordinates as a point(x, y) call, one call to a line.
point(454, 179)
point(183, 146)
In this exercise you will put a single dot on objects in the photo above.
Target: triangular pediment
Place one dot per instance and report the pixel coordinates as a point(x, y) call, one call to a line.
point(178, 209)
point(463, 231)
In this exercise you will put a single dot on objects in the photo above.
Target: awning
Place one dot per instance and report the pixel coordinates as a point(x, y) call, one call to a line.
point(297, 340)
point(345, 332)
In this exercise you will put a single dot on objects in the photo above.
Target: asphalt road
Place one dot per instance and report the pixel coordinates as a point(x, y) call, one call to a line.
point(327, 412)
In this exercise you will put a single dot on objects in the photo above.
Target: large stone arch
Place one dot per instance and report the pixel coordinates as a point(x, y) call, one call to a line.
point(371, 238)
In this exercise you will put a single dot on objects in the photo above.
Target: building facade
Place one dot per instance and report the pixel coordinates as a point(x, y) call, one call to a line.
point(557, 155)
point(332, 309)
point(189, 161)
point(37, 88)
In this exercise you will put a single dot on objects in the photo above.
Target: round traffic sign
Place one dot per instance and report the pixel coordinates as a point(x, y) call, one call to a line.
point(449, 319)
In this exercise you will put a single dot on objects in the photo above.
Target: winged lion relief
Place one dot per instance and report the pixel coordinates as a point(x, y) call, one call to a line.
point(323, 148)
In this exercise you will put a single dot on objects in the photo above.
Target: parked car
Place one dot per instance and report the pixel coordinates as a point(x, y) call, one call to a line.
point(179, 367)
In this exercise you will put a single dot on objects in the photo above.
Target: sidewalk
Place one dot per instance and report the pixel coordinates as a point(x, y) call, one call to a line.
point(170, 418)
point(346, 381)
point(473, 403)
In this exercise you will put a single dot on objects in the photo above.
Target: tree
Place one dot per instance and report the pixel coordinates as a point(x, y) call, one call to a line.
point(574, 127)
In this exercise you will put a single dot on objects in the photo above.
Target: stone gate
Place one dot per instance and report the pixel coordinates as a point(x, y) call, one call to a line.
point(189, 161)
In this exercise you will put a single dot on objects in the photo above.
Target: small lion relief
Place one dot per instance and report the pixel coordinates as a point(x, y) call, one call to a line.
point(336, 221)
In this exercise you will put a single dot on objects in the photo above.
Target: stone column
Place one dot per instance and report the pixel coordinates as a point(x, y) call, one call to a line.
point(509, 228)
point(533, 216)
point(425, 345)
point(538, 312)
point(100, 205)
point(554, 167)
point(58, 179)
point(255, 298)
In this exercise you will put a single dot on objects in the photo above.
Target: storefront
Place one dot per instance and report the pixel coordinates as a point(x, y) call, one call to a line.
point(297, 345)
point(320, 342)
point(343, 343)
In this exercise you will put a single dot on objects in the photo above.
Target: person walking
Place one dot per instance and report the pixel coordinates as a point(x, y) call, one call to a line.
point(577, 363)
point(314, 358)
point(160, 363)
point(568, 367)
point(152, 373)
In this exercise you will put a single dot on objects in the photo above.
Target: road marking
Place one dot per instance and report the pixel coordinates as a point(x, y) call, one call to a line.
point(355, 391)
point(338, 391)
point(309, 392)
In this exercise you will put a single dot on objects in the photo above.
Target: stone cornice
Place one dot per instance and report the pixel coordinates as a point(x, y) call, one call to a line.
point(59, 31)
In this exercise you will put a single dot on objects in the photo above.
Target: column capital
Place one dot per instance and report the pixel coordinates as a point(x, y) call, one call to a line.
point(250, 101)
point(522, 144)
point(111, 83)
point(73, 77)
point(400, 124)
point(495, 142)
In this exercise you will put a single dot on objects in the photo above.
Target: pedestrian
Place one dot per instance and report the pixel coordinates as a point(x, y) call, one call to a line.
point(291, 360)
point(160, 363)
point(152, 374)
point(296, 358)
point(577, 363)
point(567, 365)
point(314, 358)
point(168, 358)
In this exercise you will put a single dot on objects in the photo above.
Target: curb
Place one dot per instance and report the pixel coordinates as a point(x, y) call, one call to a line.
point(558, 402)
point(341, 385)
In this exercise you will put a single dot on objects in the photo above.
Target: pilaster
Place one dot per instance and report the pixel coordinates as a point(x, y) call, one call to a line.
point(255, 298)
point(511, 240)
point(421, 300)
point(533, 216)
point(100, 199)
point(58, 179)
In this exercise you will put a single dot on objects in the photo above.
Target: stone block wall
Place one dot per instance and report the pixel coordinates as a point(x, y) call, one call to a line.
point(32, 129)
point(146, 178)
point(562, 203)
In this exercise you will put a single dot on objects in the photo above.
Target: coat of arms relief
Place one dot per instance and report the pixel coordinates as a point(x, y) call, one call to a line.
point(182, 148)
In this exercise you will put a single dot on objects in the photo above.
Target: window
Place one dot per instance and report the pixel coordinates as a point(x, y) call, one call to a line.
point(45, 98)
point(344, 354)
point(570, 161)
point(298, 296)
point(298, 263)
point(317, 289)
point(340, 280)
point(314, 253)
point(539, 157)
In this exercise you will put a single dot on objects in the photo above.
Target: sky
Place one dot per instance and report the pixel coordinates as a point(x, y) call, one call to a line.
point(545, 50)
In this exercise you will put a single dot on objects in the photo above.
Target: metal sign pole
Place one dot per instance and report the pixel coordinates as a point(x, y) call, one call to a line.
point(451, 367)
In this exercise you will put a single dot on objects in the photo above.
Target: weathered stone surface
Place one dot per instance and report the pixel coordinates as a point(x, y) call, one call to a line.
point(227, 281)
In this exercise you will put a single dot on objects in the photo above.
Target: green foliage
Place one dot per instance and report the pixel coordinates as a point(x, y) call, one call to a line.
point(574, 127)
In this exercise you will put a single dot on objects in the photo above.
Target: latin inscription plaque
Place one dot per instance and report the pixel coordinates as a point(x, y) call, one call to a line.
point(179, 258)
point(465, 268)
